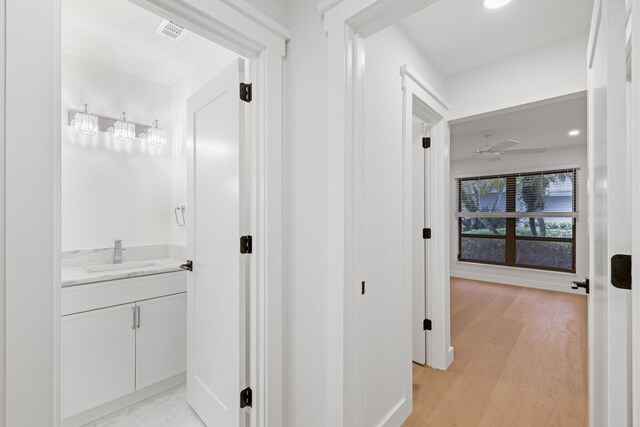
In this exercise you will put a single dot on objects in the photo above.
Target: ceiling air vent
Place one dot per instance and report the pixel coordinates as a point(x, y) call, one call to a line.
point(170, 29)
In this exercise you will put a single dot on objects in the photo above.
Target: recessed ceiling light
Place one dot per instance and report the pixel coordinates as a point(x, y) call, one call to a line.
point(495, 4)
point(574, 132)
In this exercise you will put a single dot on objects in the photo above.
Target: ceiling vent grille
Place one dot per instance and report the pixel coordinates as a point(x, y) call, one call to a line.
point(170, 29)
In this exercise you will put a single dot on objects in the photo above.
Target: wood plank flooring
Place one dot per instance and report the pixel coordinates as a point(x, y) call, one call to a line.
point(520, 360)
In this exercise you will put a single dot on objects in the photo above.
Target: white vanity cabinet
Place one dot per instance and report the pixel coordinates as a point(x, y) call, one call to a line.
point(119, 352)
point(161, 339)
point(99, 358)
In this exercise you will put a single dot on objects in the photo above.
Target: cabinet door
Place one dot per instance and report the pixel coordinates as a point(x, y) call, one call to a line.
point(98, 357)
point(161, 348)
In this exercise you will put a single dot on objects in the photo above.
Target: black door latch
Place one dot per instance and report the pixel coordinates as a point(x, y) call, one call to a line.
point(188, 266)
point(578, 285)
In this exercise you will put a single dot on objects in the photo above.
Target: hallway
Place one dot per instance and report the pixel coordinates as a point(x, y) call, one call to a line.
point(520, 359)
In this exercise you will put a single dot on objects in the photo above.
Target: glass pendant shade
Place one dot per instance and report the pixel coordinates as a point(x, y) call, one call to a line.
point(124, 130)
point(85, 122)
point(155, 135)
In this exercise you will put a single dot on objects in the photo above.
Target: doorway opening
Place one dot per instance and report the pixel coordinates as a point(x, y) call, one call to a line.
point(158, 296)
point(480, 74)
point(510, 322)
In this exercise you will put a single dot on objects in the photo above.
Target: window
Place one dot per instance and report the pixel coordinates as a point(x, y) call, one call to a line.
point(519, 220)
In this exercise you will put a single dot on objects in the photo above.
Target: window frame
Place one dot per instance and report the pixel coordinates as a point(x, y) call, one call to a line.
point(510, 236)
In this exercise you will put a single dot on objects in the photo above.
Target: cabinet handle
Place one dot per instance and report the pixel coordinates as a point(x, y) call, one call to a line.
point(138, 310)
point(133, 321)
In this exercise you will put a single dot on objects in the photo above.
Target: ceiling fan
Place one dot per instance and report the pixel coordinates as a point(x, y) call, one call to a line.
point(493, 153)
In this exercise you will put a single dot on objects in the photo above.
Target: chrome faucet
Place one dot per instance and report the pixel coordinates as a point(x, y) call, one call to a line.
point(117, 252)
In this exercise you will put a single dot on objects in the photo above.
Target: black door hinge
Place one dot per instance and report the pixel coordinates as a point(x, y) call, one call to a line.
point(246, 92)
point(188, 266)
point(246, 245)
point(426, 233)
point(363, 286)
point(621, 271)
point(426, 324)
point(246, 398)
point(426, 142)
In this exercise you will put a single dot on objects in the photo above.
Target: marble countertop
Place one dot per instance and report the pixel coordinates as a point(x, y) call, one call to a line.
point(82, 275)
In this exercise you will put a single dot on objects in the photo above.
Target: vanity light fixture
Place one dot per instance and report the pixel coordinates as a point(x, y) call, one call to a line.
point(124, 130)
point(85, 122)
point(154, 135)
point(495, 4)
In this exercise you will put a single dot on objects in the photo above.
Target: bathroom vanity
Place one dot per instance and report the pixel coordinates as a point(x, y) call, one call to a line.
point(123, 335)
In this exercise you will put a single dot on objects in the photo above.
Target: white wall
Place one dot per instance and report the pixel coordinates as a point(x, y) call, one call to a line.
point(392, 48)
point(385, 360)
point(547, 72)
point(552, 159)
point(275, 9)
point(110, 189)
point(305, 219)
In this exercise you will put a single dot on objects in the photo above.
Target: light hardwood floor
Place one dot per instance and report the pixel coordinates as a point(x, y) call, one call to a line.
point(520, 360)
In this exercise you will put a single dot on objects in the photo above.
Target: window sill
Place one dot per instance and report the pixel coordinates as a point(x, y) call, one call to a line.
point(509, 268)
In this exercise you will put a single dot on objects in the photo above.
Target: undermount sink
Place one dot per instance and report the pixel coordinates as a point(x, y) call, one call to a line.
point(123, 266)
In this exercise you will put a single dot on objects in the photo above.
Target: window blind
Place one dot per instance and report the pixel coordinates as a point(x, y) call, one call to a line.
point(548, 194)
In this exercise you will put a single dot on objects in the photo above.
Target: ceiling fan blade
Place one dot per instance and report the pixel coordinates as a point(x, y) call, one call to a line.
point(525, 151)
point(504, 145)
point(494, 158)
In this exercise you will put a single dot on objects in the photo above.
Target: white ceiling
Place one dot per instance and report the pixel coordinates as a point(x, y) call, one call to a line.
point(121, 35)
point(543, 126)
point(461, 34)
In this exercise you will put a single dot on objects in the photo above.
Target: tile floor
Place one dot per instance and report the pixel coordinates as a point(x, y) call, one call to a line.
point(169, 409)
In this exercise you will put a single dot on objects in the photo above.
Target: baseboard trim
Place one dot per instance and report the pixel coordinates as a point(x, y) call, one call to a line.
point(122, 402)
point(450, 357)
point(527, 283)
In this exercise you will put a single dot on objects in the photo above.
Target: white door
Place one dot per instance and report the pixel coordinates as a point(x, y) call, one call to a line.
point(634, 59)
point(419, 299)
point(98, 357)
point(609, 218)
point(215, 294)
point(161, 339)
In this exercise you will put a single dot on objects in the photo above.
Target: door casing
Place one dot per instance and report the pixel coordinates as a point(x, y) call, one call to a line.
point(424, 102)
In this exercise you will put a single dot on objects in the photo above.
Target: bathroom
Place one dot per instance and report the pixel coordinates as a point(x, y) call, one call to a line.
point(129, 79)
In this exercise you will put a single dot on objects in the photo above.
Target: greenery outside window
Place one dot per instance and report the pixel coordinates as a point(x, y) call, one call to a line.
point(520, 220)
